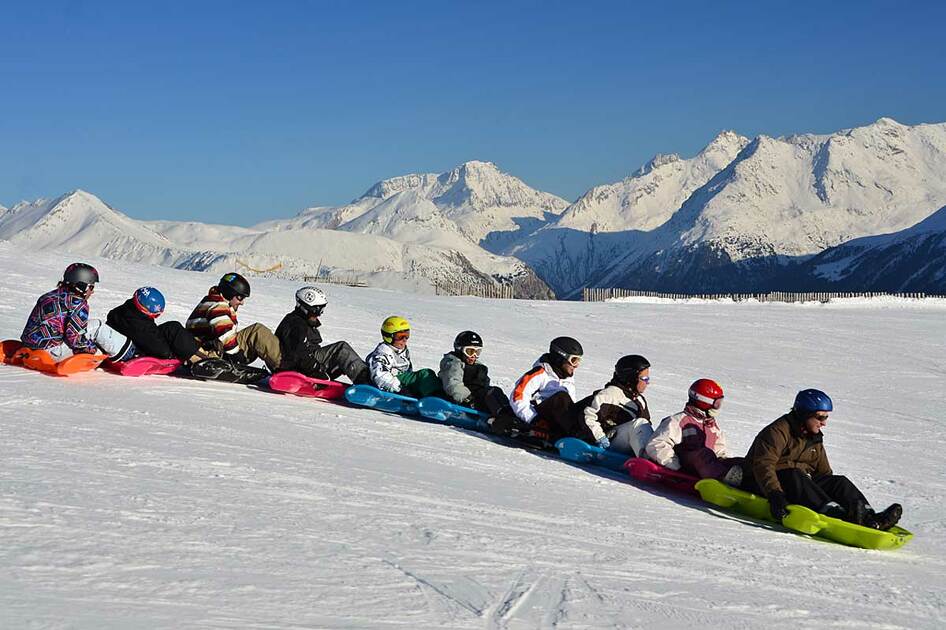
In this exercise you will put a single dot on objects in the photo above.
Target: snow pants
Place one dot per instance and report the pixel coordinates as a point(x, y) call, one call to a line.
point(180, 340)
point(490, 400)
point(117, 346)
point(333, 360)
point(833, 495)
point(631, 437)
point(703, 463)
point(258, 342)
point(420, 383)
point(557, 411)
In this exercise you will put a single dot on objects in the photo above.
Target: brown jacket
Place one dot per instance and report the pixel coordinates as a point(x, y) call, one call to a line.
point(781, 446)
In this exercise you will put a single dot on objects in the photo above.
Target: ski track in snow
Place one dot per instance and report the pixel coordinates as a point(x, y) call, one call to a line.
point(165, 503)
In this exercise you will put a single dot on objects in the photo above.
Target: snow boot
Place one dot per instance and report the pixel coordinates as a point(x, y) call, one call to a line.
point(733, 477)
point(886, 519)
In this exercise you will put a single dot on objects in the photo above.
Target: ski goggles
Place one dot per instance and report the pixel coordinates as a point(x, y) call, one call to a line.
point(315, 311)
point(573, 360)
point(644, 379)
point(84, 287)
point(820, 417)
point(714, 403)
point(472, 351)
point(401, 335)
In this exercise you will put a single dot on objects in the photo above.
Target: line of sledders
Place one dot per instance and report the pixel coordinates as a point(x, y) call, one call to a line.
point(786, 463)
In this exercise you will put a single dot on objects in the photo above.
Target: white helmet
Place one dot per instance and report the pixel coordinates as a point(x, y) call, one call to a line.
point(311, 300)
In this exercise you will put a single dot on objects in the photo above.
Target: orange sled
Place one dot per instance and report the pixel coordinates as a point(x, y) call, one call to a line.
point(8, 354)
point(42, 361)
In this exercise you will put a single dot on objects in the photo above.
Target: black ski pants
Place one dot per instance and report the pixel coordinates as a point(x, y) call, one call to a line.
point(179, 339)
point(490, 400)
point(817, 493)
point(332, 360)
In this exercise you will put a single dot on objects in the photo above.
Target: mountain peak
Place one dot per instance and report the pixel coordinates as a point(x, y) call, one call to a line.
point(661, 159)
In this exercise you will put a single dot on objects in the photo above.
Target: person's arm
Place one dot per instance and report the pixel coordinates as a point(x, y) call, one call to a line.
point(451, 376)
point(74, 330)
point(661, 444)
point(822, 467)
point(379, 364)
point(526, 387)
point(720, 446)
point(766, 451)
point(590, 413)
point(223, 329)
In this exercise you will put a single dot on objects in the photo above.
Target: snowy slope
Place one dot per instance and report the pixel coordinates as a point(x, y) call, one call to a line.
point(81, 223)
point(167, 503)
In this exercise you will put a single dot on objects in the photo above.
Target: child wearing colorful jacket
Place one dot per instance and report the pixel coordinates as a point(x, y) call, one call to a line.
point(390, 363)
point(59, 322)
point(692, 441)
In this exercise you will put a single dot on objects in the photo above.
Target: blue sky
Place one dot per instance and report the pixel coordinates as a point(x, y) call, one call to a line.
point(236, 112)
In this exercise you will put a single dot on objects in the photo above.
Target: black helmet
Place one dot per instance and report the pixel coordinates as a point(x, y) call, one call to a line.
point(232, 285)
point(467, 339)
point(80, 276)
point(564, 347)
point(628, 369)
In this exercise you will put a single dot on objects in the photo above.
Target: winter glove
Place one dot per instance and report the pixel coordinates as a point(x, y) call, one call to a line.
point(604, 443)
point(778, 505)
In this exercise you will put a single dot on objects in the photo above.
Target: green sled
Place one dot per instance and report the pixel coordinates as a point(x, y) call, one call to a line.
point(801, 519)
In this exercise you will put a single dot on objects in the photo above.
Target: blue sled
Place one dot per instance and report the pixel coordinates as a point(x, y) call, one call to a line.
point(580, 452)
point(368, 396)
point(444, 411)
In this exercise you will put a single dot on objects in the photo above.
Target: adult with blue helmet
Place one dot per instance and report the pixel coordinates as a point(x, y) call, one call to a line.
point(788, 464)
point(135, 319)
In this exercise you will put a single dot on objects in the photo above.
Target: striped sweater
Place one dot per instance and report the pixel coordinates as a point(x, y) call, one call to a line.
point(214, 324)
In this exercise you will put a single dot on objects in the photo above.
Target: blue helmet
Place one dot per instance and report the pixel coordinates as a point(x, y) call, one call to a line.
point(812, 400)
point(149, 301)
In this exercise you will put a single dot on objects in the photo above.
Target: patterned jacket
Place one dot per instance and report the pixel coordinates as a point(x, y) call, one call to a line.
point(536, 385)
point(385, 363)
point(691, 429)
point(214, 324)
point(59, 317)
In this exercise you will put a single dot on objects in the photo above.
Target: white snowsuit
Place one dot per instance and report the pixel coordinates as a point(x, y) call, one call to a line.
point(536, 385)
point(385, 364)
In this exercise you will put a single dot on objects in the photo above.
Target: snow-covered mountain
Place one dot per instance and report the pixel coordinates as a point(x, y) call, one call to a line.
point(475, 197)
point(740, 214)
point(81, 223)
point(782, 200)
point(910, 260)
point(599, 227)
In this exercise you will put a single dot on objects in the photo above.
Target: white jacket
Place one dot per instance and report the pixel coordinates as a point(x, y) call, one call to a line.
point(690, 428)
point(536, 385)
point(385, 363)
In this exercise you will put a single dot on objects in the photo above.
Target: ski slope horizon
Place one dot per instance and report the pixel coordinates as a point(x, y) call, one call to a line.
point(164, 503)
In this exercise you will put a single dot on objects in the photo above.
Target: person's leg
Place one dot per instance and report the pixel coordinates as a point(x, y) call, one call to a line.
point(631, 437)
point(60, 352)
point(117, 346)
point(556, 411)
point(703, 463)
point(339, 358)
point(180, 340)
point(801, 489)
point(428, 383)
point(258, 341)
point(490, 400)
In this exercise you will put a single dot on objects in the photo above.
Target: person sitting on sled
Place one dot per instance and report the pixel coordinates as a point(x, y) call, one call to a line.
point(60, 324)
point(135, 318)
point(301, 343)
point(617, 416)
point(542, 399)
point(214, 325)
point(787, 463)
point(692, 441)
point(465, 380)
point(390, 363)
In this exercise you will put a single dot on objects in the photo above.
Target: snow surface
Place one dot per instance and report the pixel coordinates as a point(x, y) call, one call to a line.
point(168, 503)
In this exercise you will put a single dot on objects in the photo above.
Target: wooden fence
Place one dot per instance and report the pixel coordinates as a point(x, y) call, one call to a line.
point(599, 295)
point(350, 280)
point(500, 291)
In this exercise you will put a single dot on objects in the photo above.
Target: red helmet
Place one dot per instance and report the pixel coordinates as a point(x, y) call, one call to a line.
point(706, 394)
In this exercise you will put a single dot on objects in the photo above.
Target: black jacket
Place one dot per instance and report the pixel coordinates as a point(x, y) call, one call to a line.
point(149, 340)
point(297, 339)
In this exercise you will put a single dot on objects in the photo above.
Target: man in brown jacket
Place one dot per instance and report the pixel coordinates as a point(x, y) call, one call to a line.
point(788, 464)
